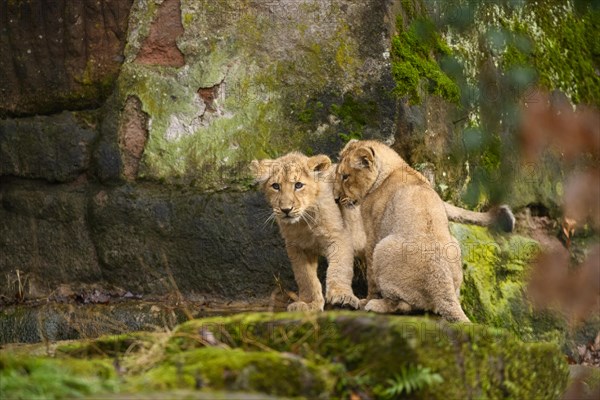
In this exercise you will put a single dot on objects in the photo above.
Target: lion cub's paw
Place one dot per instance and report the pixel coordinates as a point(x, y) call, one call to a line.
point(302, 306)
point(362, 303)
point(379, 306)
point(342, 298)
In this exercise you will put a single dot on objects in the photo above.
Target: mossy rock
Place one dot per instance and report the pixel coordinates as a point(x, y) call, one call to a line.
point(324, 355)
point(494, 58)
point(107, 346)
point(188, 394)
point(496, 269)
point(29, 378)
point(259, 80)
point(413, 63)
point(282, 374)
point(474, 361)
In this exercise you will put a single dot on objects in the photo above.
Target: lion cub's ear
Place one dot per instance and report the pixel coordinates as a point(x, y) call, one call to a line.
point(319, 163)
point(364, 156)
point(261, 170)
point(348, 144)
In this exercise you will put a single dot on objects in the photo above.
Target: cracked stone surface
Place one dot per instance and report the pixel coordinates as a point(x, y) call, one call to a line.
point(59, 54)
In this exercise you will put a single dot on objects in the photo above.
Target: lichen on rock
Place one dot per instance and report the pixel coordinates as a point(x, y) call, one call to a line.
point(264, 61)
point(496, 272)
point(501, 55)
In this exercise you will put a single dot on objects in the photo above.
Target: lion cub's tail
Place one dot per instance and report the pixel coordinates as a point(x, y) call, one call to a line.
point(500, 217)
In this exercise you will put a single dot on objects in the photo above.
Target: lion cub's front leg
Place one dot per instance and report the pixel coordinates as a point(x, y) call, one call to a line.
point(340, 269)
point(310, 291)
point(373, 289)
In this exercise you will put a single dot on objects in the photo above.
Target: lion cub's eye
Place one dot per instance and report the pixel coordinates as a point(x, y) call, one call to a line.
point(345, 177)
point(299, 185)
point(276, 186)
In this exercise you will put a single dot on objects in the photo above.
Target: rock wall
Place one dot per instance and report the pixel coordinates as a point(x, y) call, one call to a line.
point(142, 238)
point(127, 127)
point(59, 54)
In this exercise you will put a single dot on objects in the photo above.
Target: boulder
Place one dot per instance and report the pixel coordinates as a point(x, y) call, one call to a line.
point(320, 355)
point(496, 270)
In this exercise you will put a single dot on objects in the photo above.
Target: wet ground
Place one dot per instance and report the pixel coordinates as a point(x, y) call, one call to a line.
point(48, 321)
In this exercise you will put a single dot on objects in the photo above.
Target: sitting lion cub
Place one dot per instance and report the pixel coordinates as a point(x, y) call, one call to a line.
point(301, 194)
point(412, 260)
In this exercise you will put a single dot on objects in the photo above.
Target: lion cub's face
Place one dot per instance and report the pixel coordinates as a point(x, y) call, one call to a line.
point(291, 184)
point(356, 173)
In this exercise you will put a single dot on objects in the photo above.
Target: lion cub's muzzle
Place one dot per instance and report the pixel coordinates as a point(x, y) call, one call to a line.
point(287, 214)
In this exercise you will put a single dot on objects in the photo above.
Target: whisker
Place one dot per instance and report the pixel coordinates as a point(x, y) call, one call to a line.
point(270, 218)
point(310, 217)
point(313, 216)
point(303, 216)
point(264, 215)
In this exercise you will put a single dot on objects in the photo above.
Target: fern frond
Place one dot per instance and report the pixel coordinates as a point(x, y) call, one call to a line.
point(410, 378)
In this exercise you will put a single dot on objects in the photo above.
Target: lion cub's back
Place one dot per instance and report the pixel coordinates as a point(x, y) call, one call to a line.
point(412, 208)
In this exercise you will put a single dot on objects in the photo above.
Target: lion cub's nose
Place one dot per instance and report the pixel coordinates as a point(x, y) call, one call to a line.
point(286, 210)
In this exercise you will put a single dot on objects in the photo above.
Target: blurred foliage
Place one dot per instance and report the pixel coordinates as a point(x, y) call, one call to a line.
point(490, 58)
point(38, 378)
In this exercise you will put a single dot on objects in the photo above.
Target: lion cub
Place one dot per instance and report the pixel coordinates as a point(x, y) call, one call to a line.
point(412, 259)
point(300, 192)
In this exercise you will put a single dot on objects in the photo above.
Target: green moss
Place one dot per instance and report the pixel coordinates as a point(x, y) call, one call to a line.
point(309, 111)
point(409, 7)
point(414, 49)
point(501, 54)
point(187, 18)
point(26, 378)
point(106, 346)
point(346, 54)
point(214, 152)
point(324, 355)
point(141, 16)
point(496, 270)
point(239, 370)
point(568, 55)
point(554, 40)
point(347, 338)
point(355, 116)
point(513, 58)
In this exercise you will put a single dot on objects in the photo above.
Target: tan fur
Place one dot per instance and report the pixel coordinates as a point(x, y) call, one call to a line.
point(313, 227)
point(500, 217)
point(412, 260)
